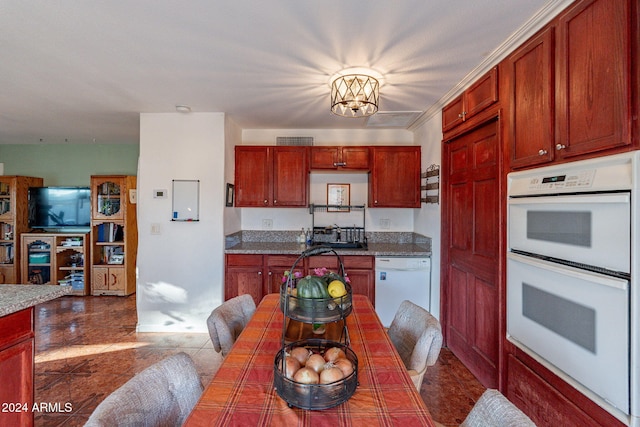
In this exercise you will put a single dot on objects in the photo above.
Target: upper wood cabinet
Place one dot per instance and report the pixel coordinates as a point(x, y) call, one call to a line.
point(570, 86)
point(593, 80)
point(271, 176)
point(394, 180)
point(340, 158)
point(530, 71)
point(476, 98)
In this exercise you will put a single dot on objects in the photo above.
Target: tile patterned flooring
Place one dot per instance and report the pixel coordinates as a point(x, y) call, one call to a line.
point(86, 347)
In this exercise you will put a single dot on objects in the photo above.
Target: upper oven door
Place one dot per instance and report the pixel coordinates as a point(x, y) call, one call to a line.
point(592, 229)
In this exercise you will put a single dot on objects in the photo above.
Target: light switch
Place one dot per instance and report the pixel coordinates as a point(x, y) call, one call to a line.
point(155, 228)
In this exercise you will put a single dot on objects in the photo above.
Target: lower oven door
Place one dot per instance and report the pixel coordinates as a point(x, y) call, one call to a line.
point(574, 322)
point(592, 229)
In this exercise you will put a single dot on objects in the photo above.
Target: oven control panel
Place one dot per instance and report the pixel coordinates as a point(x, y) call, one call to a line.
point(578, 180)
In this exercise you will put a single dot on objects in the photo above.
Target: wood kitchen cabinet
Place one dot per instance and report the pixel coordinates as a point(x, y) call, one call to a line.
point(530, 71)
point(271, 176)
point(258, 275)
point(570, 86)
point(16, 368)
point(593, 85)
point(480, 95)
point(340, 158)
point(394, 180)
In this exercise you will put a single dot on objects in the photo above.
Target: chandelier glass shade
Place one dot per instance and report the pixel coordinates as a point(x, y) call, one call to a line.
point(355, 95)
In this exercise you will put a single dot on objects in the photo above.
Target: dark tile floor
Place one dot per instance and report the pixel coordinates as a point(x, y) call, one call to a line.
point(86, 347)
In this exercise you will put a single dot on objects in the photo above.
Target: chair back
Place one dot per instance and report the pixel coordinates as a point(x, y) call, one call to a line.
point(227, 321)
point(495, 410)
point(164, 394)
point(417, 336)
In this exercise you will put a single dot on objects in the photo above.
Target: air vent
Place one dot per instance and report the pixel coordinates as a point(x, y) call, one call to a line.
point(294, 140)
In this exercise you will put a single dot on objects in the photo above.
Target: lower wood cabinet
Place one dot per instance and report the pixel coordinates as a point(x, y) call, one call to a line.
point(16, 368)
point(548, 406)
point(258, 275)
point(108, 281)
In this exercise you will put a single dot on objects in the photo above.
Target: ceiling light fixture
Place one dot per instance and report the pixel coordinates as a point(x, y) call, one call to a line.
point(355, 92)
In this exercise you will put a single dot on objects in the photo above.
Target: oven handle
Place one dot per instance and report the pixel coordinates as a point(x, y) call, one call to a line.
point(599, 279)
point(587, 198)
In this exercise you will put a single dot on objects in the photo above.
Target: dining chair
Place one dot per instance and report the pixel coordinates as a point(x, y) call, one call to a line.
point(162, 395)
point(417, 336)
point(229, 319)
point(494, 410)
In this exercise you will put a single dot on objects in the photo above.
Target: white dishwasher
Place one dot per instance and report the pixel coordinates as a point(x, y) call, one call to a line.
point(399, 279)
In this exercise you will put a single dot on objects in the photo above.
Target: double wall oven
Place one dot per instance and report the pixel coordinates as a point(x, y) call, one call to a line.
point(573, 286)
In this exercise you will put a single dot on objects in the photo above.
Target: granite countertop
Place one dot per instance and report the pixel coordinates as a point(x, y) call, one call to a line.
point(374, 249)
point(14, 298)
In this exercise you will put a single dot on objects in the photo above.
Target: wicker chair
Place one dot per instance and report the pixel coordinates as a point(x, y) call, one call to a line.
point(493, 409)
point(417, 336)
point(162, 395)
point(229, 319)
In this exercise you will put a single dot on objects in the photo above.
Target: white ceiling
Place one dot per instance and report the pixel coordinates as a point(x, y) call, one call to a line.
point(81, 71)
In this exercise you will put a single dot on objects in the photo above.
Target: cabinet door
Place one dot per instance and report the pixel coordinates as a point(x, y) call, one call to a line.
point(38, 258)
point(244, 280)
point(593, 79)
point(531, 86)
point(252, 177)
point(481, 94)
point(355, 158)
point(453, 113)
point(290, 176)
point(100, 279)
point(324, 157)
point(108, 193)
point(395, 177)
point(276, 266)
point(116, 278)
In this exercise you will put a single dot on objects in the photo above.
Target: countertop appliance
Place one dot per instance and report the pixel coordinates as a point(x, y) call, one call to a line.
point(399, 279)
point(573, 300)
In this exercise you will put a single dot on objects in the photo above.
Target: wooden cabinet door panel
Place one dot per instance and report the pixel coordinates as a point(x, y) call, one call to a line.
point(7, 275)
point(470, 228)
point(100, 278)
point(290, 176)
point(252, 177)
point(362, 283)
point(355, 158)
point(453, 114)
point(244, 280)
point(324, 157)
point(593, 82)
point(116, 277)
point(531, 96)
point(16, 373)
point(395, 177)
point(481, 94)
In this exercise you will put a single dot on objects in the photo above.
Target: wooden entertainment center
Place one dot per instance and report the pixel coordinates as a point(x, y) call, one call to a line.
point(98, 261)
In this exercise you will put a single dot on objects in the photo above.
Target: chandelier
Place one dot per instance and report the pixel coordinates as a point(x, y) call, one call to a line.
point(355, 95)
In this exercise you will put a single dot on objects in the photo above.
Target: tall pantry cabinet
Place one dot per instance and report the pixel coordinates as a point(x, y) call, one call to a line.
point(14, 193)
point(114, 235)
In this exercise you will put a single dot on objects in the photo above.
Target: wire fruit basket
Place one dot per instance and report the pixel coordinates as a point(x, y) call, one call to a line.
point(314, 310)
point(317, 311)
point(315, 396)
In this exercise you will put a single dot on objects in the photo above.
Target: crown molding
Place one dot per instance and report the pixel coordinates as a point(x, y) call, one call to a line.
point(516, 39)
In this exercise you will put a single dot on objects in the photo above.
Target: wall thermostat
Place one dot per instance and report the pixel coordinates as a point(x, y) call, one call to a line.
point(159, 194)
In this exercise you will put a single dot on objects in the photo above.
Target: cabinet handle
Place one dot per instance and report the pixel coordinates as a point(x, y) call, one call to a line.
point(275, 202)
point(266, 201)
point(560, 147)
point(542, 152)
point(336, 164)
point(460, 115)
point(259, 273)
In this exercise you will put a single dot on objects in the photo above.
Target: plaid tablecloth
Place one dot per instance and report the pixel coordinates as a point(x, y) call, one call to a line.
point(242, 392)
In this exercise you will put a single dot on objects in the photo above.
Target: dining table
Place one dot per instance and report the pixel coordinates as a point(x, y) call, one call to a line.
point(242, 391)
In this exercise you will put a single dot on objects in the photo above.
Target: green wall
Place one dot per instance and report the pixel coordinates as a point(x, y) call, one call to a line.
point(69, 164)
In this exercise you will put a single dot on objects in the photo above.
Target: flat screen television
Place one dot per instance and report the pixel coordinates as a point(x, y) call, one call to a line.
point(58, 207)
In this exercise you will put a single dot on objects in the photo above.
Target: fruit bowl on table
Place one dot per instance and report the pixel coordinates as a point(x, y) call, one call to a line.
point(316, 298)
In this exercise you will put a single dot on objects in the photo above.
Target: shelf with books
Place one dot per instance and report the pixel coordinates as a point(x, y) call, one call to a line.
point(114, 236)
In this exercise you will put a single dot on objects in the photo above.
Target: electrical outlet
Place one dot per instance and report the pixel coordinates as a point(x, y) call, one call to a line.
point(385, 224)
point(155, 228)
point(267, 224)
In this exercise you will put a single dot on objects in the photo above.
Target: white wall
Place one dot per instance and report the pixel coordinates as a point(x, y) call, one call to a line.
point(296, 218)
point(180, 270)
point(427, 219)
